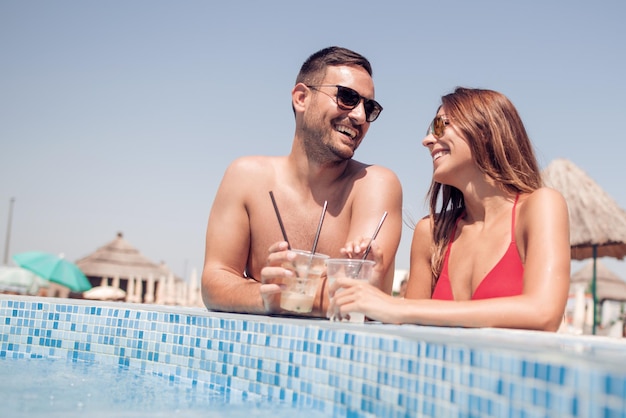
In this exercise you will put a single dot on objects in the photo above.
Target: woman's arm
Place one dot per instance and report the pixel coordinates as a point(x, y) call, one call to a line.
point(543, 238)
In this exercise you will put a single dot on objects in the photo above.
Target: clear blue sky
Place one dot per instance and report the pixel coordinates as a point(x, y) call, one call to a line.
point(122, 115)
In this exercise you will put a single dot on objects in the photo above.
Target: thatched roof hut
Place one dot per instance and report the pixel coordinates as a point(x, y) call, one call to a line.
point(120, 259)
point(595, 218)
point(609, 285)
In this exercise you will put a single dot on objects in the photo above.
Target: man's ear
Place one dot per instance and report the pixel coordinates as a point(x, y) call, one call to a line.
point(298, 97)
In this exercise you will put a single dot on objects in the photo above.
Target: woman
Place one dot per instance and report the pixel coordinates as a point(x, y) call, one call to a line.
point(496, 252)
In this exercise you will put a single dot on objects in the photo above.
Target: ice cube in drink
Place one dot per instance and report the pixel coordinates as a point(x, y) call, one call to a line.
point(296, 301)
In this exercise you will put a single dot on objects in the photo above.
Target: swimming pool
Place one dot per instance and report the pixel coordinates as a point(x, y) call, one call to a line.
point(317, 366)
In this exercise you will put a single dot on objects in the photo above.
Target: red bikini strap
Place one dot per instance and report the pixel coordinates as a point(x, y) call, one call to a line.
point(513, 219)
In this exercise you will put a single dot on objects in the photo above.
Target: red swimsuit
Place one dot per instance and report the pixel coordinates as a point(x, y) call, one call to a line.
point(505, 279)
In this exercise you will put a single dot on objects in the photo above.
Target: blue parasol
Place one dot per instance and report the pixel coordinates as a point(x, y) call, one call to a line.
point(55, 269)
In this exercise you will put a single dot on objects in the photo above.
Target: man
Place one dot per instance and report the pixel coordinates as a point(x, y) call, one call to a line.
point(333, 103)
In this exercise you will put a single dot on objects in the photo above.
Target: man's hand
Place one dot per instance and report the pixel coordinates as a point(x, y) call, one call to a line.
point(273, 275)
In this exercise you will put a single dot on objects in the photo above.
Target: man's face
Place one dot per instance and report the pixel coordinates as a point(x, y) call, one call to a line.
point(340, 129)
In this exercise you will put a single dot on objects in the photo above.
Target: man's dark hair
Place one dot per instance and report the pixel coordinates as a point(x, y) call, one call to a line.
point(314, 68)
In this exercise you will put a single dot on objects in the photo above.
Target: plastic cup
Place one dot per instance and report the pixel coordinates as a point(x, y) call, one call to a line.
point(353, 268)
point(298, 293)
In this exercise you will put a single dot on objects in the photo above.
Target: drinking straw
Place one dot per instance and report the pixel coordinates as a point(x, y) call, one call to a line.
point(369, 246)
point(280, 220)
point(319, 227)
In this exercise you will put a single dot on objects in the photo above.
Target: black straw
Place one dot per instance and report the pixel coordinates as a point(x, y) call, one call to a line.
point(280, 220)
point(369, 246)
point(319, 227)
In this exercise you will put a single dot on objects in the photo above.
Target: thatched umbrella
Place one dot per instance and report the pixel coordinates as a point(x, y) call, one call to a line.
point(597, 223)
point(119, 259)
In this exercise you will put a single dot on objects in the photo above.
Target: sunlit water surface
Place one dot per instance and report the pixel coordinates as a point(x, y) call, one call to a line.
point(61, 388)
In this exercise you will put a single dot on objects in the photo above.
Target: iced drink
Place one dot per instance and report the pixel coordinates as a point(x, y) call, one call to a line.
point(352, 268)
point(299, 292)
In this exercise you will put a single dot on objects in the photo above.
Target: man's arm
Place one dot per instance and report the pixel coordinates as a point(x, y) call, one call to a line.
point(224, 286)
point(380, 192)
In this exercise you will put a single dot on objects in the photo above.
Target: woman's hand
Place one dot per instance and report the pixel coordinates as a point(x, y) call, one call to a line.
point(349, 295)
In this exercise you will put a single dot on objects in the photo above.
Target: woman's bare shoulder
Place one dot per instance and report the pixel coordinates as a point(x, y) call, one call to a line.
point(543, 209)
point(422, 235)
point(542, 199)
point(424, 225)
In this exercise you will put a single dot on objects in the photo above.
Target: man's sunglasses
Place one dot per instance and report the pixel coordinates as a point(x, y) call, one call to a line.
point(348, 99)
point(437, 126)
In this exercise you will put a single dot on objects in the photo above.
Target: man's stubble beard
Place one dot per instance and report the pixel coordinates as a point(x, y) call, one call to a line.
point(319, 145)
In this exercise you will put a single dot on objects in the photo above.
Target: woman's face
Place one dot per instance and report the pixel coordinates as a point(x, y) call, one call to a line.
point(450, 151)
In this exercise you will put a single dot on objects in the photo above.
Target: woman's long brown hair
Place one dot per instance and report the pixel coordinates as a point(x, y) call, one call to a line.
point(501, 148)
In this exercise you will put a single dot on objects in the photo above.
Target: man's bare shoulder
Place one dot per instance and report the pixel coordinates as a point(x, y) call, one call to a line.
point(373, 172)
point(252, 163)
point(253, 167)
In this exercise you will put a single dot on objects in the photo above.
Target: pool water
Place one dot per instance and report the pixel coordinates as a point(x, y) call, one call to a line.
point(44, 387)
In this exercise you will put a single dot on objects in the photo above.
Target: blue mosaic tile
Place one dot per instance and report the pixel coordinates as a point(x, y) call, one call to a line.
point(373, 370)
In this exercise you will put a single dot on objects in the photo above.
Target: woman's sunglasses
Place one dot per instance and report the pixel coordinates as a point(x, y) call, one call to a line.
point(437, 126)
point(348, 99)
